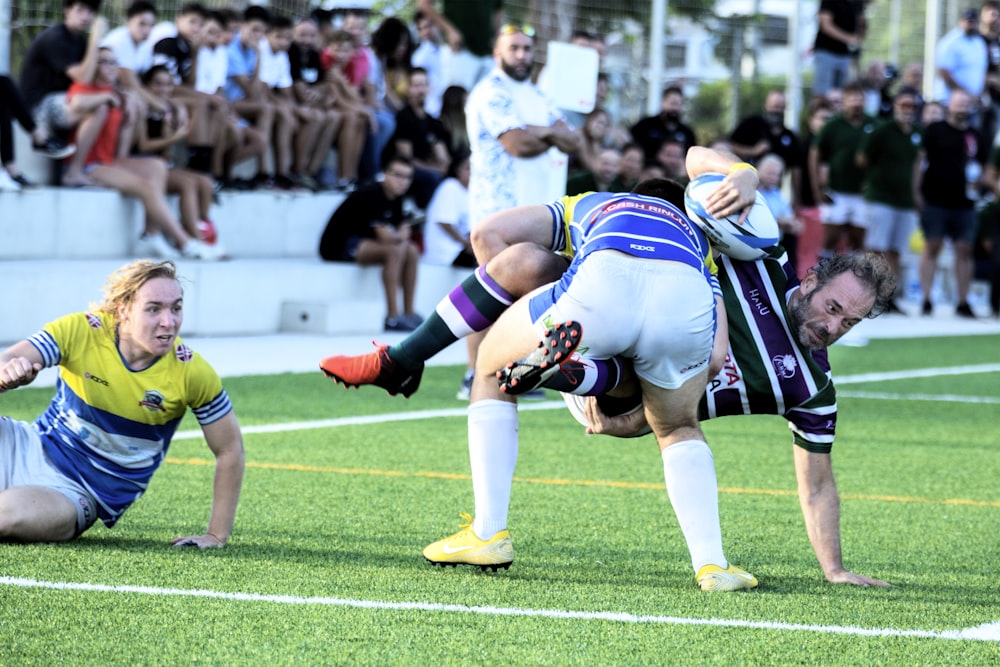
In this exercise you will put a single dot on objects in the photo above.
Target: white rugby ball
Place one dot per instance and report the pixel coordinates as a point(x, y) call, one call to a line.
point(750, 240)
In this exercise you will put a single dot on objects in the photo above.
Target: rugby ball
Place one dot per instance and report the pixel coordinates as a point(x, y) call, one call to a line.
point(748, 240)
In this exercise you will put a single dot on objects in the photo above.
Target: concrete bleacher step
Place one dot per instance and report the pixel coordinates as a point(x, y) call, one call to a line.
point(96, 223)
point(228, 298)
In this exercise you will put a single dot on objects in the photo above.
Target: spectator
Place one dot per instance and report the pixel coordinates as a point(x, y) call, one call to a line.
point(373, 91)
point(835, 98)
point(208, 113)
point(877, 81)
point(428, 55)
point(421, 138)
point(838, 39)
point(955, 155)
point(932, 112)
point(652, 131)
point(249, 98)
point(604, 178)
point(392, 44)
point(453, 118)
point(236, 141)
point(989, 30)
point(310, 129)
point(108, 164)
point(129, 43)
point(92, 453)
point(770, 170)
point(961, 60)
point(808, 212)
point(890, 158)
point(989, 229)
point(312, 86)
point(766, 133)
point(630, 169)
point(12, 106)
point(596, 134)
point(519, 139)
point(836, 178)
point(468, 29)
point(913, 77)
point(369, 228)
point(670, 157)
point(350, 97)
point(59, 56)
point(156, 134)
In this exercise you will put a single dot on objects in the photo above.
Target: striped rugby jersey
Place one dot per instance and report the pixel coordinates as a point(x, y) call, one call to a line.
point(766, 370)
point(108, 427)
point(636, 225)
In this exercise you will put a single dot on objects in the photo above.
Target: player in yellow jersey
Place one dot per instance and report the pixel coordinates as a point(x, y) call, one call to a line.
point(125, 381)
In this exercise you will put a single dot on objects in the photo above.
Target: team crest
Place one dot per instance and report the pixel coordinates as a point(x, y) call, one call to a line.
point(152, 401)
point(94, 321)
point(184, 353)
point(785, 365)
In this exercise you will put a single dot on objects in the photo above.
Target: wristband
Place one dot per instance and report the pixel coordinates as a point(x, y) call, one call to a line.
point(742, 165)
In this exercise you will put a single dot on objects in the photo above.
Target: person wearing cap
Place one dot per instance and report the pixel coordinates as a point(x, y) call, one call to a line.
point(961, 59)
point(889, 156)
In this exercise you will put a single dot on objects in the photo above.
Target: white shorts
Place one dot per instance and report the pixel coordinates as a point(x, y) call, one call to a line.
point(846, 209)
point(658, 314)
point(890, 228)
point(23, 462)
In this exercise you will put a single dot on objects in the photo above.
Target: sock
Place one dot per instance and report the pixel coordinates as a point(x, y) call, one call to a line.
point(586, 377)
point(689, 471)
point(492, 455)
point(472, 306)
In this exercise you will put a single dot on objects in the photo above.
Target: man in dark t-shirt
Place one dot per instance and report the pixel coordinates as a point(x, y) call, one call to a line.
point(59, 56)
point(369, 227)
point(422, 138)
point(756, 136)
point(841, 30)
point(955, 154)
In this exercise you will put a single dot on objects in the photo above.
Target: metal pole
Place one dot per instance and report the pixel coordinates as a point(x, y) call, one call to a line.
point(5, 13)
point(895, 15)
point(931, 22)
point(657, 52)
point(794, 92)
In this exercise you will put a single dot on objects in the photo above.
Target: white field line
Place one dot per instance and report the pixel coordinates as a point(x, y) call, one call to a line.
point(553, 405)
point(986, 632)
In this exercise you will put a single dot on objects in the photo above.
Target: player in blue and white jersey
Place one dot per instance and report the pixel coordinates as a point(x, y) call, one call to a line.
point(125, 381)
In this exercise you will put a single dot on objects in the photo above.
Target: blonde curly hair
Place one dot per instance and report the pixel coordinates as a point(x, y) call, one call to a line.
point(125, 283)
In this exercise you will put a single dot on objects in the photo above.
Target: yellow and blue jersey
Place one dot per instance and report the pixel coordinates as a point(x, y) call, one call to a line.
point(633, 224)
point(108, 426)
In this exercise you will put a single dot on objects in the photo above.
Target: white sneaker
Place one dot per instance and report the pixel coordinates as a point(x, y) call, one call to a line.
point(195, 249)
point(7, 183)
point(154, 245)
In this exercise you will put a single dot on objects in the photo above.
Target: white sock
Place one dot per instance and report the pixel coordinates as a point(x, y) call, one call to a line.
point(492, 455)
point(689, 471)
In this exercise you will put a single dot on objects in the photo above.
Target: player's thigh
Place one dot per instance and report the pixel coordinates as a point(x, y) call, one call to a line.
point(36, 514)
point(511, 337)
point(121, 178)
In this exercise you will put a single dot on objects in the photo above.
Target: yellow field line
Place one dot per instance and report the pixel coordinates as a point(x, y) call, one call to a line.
point(297, 467)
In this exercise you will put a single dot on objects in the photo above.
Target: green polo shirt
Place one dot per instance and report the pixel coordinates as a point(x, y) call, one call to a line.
point(474, 19)
point(891, 152)
point(838, 144)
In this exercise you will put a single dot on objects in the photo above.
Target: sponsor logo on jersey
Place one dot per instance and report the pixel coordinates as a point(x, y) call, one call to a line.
point(688, 369)
point(643, 248)
point(184, 353)
point(94, 321)
point(785, 365)
point(152, 401)
point(758, 302)
point(94, 378)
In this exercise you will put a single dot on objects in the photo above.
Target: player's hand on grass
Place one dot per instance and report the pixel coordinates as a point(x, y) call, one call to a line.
point(845, 577)
point(206, 541)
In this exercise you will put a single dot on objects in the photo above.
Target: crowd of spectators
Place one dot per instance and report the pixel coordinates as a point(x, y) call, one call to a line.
point(324, 102)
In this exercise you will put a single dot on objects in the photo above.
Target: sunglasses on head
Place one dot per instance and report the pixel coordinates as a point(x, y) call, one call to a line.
point(513, 29)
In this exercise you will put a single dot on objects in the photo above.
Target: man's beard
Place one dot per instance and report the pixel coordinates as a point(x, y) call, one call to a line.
point(798, 313)
point(518, 73)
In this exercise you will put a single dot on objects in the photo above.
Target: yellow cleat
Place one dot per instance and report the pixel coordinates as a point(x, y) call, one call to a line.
point(465, 548)
point(732, 578)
